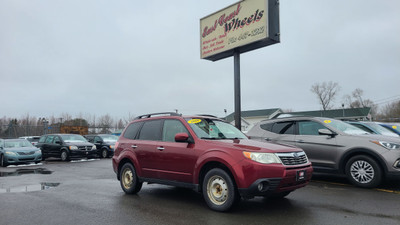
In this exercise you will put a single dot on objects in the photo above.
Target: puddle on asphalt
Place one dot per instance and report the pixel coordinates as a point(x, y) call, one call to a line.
point(20, 172)
point(28, 188)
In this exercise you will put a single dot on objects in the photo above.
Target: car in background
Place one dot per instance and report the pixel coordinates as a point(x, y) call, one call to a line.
point(392, 127)
point(104, 143)
point(208, 155)
point(373, 128)
point(32, 139)
point(66, 146)
point(18, 151)
point(334, 146)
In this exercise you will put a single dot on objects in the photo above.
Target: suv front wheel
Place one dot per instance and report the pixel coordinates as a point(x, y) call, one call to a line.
point(219, 190)
point(64, 156)
point(363, 171)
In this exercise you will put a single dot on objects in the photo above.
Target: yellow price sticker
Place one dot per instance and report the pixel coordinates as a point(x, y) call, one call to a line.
point(194, 121)
point(327, 121)
point(394, 127)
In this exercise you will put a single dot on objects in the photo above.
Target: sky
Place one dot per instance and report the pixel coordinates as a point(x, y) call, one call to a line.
point(127, 57)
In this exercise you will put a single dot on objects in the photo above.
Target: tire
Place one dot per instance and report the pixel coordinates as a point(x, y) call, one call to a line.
point(219, 191)
point(128, 179)
point(104, 153)
point(363, 171)
point(3, 161)
point(64, 156)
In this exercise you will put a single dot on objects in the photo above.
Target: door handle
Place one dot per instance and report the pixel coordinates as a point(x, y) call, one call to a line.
point(160, 148)
point(134, 146)
point(299, 141)
point(268, 139)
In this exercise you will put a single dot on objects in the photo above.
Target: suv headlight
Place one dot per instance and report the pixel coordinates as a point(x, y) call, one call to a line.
point(265, 158)
point(111, 146)
point(94, 147)
point(388, 145)
point(73, 147)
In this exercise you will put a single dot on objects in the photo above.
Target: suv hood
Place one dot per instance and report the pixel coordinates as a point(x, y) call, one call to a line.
point(251, 145)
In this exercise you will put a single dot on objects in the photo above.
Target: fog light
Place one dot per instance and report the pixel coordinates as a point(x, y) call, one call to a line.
point(260, 186)
point(397, 164)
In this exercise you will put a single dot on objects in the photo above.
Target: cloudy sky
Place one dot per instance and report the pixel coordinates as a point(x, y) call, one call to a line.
point(134, 57)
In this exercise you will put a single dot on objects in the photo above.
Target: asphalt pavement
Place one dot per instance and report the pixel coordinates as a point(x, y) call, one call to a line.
point(88, 192)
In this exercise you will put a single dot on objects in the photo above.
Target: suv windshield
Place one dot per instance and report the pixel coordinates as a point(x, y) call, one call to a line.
point(206, 128)
point(344, 127)
point(73, 138)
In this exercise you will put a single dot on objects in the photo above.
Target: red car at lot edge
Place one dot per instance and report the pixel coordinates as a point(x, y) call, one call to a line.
point(208, 155)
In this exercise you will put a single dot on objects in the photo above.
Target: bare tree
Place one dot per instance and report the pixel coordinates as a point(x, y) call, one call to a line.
point(326, 93)
point(105, 122)
point(357, 100)
point(391, 112)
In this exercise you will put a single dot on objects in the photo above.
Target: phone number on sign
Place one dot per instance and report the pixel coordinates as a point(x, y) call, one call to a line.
point(244, 35)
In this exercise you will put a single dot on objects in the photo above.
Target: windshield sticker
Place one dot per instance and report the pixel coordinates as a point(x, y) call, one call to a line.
point(194, 121)
point(394, 127)
point(327, 121)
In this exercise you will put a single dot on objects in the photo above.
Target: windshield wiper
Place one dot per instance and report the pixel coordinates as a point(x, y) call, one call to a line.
point(210, 138)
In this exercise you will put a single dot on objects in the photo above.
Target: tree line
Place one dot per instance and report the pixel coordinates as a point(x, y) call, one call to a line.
point(327, 92)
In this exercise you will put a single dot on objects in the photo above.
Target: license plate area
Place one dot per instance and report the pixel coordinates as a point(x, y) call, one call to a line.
point(300, 175)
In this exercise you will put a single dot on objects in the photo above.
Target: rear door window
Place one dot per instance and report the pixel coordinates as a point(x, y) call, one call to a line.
point(283, 127)
point(49, 139)
point(132, 130)
point(151, 130)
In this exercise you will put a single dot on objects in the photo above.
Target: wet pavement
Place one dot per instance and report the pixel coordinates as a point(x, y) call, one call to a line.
point(87, 192)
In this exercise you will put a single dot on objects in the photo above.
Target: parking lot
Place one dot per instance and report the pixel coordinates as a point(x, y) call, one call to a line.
point(87, 192)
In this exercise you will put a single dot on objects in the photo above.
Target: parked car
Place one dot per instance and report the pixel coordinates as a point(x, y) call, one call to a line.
point(392, 127)
point(66, 146)
point(18, 151)
point(104, 143)
point(336, 147)
point(32, 139)
point(206, 154)
point(373, 128)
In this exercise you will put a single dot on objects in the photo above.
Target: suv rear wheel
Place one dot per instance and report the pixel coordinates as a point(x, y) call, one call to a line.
point(129, 180)
point(363, 171)
point(218, 190)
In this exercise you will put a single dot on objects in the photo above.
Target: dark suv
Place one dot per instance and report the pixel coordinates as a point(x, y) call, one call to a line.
point(66, 146)
point(104, 143)
point(208, 155)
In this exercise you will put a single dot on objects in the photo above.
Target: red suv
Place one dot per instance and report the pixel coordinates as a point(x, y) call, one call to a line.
point(208, 155)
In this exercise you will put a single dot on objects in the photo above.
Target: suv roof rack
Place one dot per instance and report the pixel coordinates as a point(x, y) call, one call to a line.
point(157, 114)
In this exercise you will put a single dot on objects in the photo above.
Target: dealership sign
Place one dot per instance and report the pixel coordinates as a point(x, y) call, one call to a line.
point(242, 27)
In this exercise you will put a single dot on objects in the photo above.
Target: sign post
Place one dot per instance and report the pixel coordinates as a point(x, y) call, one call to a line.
point(239, 28)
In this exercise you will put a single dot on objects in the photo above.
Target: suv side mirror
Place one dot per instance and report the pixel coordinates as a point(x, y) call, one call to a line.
point(326, 132)
point(182, 137)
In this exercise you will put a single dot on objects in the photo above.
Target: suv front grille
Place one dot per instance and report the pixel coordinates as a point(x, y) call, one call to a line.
point(293, 158)
point(85, 148)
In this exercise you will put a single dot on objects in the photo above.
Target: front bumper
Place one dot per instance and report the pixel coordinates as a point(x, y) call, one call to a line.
point(83, 154)
point(21, 159)
point(269, 179)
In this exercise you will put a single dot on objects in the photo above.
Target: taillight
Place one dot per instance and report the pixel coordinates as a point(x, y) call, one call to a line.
point(116, 145)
